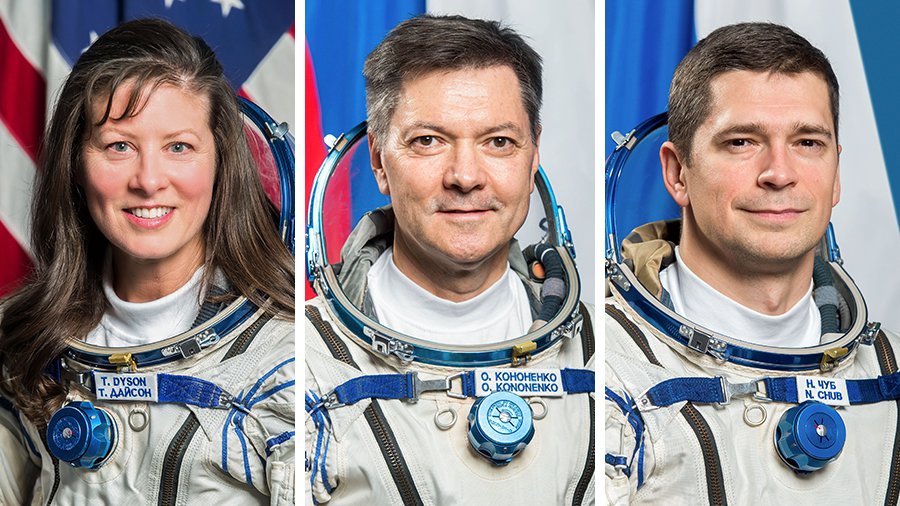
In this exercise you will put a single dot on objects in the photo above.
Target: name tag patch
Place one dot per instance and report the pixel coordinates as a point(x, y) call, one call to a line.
point(522, 382)
point(831, 391)
point(126, 387)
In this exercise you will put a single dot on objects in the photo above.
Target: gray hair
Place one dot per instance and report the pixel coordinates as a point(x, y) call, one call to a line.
point(428, 43)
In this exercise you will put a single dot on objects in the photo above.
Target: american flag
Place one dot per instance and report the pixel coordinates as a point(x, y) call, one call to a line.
point(41, 40)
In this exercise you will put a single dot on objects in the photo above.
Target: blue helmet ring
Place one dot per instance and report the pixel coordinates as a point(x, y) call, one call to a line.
point(280, 143)
point(635, 195)
point(566, 321)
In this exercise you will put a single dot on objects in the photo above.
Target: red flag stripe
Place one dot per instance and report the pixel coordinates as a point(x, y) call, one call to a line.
point(16, 263)
point(24, 95)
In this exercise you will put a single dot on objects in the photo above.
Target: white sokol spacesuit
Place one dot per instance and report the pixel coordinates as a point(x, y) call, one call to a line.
point(235, 453)
point(414, 447)
point(696, 417)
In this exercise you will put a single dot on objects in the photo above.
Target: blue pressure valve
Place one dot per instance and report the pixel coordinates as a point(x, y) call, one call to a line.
point(809, 436)
point(82, 435)
point(500, 426)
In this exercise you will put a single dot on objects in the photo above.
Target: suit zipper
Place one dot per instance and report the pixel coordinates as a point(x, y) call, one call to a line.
point(335, 345)
point(393, 457)
point(587, 343)
point(888, 364)
point(374, 416)
point(633, 331)
point(715, 483)
point(52, 495)
point(168, 492)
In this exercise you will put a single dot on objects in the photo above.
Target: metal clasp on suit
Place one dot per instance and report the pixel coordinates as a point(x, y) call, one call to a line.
point(870, 333)
point(756, 388)
point(388, 346)
point(435, 385)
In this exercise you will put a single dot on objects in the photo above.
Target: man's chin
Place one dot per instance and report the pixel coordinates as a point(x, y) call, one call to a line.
point(774, 257)
point(467, 258)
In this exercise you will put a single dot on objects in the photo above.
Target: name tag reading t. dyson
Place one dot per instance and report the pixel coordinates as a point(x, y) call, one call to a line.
point(522, 382)
point(126, 387)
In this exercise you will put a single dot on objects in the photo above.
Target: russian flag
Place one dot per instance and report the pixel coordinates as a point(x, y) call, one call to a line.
point(645, 39)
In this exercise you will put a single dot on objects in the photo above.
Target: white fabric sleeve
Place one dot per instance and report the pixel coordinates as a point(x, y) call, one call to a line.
point(621, 442)
point(17, 473)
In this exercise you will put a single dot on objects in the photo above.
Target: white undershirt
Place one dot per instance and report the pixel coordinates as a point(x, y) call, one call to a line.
point(137, 323)
point(499, 313)
point(694, 299)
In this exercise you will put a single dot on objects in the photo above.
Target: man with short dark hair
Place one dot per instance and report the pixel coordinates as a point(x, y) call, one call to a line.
point(734, 367)
point(434, 313)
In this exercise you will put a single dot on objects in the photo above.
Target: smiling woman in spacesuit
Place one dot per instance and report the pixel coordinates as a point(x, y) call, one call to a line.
point(149, 356)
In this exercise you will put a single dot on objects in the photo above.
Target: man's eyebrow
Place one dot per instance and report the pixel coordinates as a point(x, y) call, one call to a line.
point(759, 129)
point(509, 125)
point(423, 126)
point(739, 129)
point(812, 129)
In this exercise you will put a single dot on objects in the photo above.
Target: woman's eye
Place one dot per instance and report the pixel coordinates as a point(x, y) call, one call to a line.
point(179, 147)
point(119, 147)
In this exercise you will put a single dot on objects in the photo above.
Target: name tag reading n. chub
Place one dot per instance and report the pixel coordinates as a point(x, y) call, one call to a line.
point(522, 382)
point(126, 387)
point(831, 391)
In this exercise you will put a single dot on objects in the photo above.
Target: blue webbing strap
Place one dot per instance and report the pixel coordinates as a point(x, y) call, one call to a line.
point(402, 386)
point(377, 386)
point(618, 461)
point(779, 389)
point(703, 390)
point(321, 421)
point(626, 404)
point(191, 390)
point(577, 381)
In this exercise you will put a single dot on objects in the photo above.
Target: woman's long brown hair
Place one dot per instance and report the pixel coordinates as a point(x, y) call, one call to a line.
point(62, 299)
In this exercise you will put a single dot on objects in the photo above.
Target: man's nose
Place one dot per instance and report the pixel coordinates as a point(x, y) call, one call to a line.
point(779, 171)
point(465, 170)
point(150, 174)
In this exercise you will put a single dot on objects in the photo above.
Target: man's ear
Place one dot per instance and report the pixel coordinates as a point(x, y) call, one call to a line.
point(673, 173)
point(378, 166)
point(536, 163)
point(836, 191)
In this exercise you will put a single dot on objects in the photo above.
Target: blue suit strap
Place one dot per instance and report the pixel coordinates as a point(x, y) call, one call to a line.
point(168, 388)
point(409, 386)
point(702, 390)
point(375, 386)
point(626, 405)
point(787, 389)
point(190, 390)
point(577, 381)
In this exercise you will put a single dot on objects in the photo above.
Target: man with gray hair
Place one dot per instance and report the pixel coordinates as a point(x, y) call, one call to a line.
point(741, 364)
point(434, 309)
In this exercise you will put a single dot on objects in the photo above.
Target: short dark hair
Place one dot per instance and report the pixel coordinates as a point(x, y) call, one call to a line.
point(757, 47)
point(428, 43)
